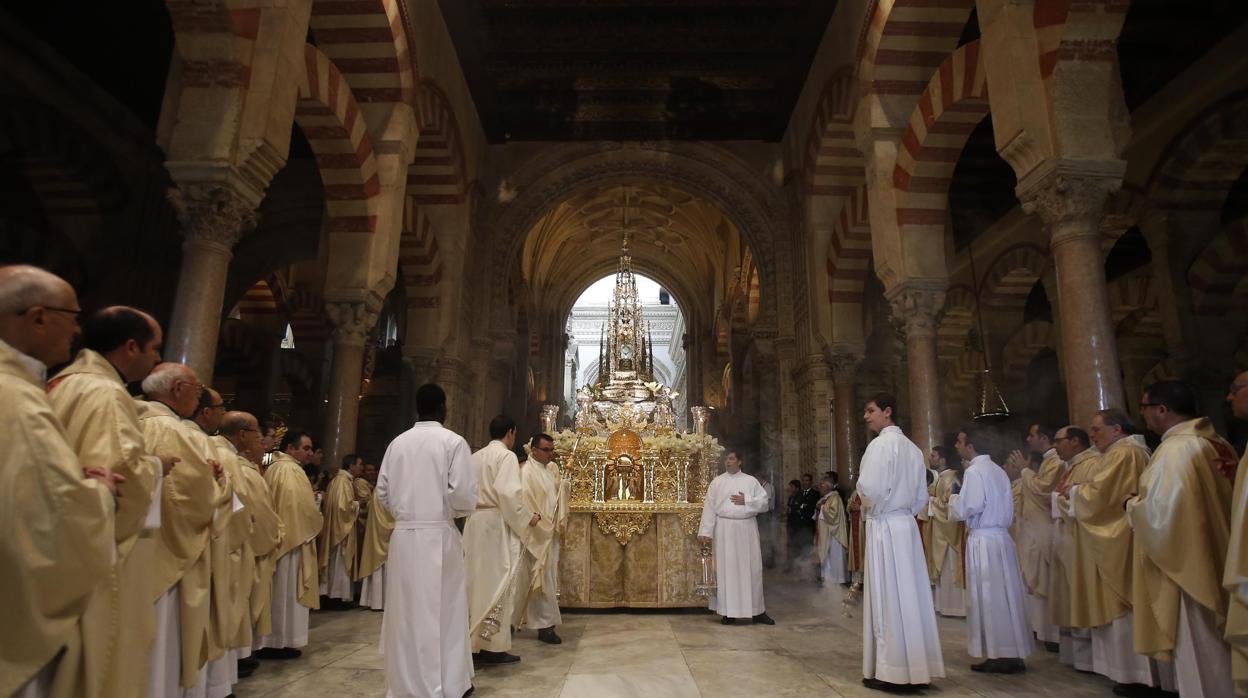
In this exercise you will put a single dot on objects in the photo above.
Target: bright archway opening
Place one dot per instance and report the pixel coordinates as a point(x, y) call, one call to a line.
point(587, 324)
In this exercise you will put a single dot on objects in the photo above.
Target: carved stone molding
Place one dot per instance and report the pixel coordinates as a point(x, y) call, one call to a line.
point(844, 366)
point(212, 214)
point(704, 170)
point(353, 321)
point(916, 308)
point(1070, 197)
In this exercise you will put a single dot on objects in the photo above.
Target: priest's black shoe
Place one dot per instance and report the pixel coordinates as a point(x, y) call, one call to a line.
point(1053, 647)
point(887, 687)
point(487, 658)
point(727, 621)
point(471, 690)
point(1134, 690)
point(764, 619)
point(1000, 666)
point(247, 667)
point(278, 653)
point(548, 636)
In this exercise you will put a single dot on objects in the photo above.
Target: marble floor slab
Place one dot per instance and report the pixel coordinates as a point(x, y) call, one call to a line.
point(815, 649)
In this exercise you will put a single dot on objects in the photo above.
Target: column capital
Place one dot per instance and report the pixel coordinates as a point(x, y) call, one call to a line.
point(1070, 196)
point(844, 364)
point(211, 213)
point(352, 320)
point(917, 306)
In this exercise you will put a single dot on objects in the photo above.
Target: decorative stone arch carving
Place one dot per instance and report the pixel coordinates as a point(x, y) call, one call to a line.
point(1123, 210)
point(752, 204)
point(1011, 276)
point(1202, 164)
point(366, 39)
point(1131, 293)
point(1218, 270)
point(330, 118)
point(956, 321)
point(438, 174)
point(1023, 347)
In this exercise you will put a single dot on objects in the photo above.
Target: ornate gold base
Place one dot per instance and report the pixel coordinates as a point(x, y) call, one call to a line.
point(656, 568)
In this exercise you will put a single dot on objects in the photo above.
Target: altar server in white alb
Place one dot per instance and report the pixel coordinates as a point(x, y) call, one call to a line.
point(996, 614)
point(427, 480)
point(900, 645)
point(732, 502)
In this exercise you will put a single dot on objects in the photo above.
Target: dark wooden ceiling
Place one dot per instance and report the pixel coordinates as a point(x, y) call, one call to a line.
point(559, 70)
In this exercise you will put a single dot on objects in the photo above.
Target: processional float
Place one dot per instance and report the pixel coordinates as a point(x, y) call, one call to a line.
point(636, 482)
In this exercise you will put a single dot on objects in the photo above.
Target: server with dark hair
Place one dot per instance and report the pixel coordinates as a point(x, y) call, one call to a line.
point(900, 644)
point(427, 480)
point(494, 537)
point(120, 345)
point(996, 617)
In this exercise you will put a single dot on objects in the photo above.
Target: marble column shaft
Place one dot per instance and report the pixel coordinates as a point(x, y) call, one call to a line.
point(848, 418)
point(1071, 208)
point(917, 308)
point(212, 223)
point(352, 323)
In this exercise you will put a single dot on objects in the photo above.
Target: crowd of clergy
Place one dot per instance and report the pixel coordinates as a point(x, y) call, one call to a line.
point(1125, 561)
point(160, 545)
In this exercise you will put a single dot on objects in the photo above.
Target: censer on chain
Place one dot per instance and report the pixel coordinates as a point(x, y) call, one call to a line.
point(706, 586)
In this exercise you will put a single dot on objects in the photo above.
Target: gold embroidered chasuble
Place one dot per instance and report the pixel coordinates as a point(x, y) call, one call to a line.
point(59, 541)
point(1181, 520)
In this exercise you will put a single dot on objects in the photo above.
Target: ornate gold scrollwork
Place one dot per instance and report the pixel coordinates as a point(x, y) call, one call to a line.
point(623, 525)
point(690, 521)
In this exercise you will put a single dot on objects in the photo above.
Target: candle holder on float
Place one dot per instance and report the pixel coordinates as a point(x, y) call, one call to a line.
point(550, 413)
point(706, 586)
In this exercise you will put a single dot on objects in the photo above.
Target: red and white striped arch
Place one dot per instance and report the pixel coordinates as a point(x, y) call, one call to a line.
point(1032, 339)
point(952, 105)
point(902, 42)
point(956, 320)
point(1011, 277)
point(367, 41)
point(419, 260)
point(849, 254)
point(1201, 165)
point(307, 317)
point(330, 119)
point(215, 43)
point(833, 165)
point(437, 174)
point(1219, 270)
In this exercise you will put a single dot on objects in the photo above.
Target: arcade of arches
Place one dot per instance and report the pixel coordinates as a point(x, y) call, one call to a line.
point(401, 202)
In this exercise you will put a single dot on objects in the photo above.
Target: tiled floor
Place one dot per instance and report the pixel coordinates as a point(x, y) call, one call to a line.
point(813, 650)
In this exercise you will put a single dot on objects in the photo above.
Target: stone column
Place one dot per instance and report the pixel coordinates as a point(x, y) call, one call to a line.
point(1070, 200)
point(212, 222)
point(916, 307)
point(848, 417)
point(352, 323)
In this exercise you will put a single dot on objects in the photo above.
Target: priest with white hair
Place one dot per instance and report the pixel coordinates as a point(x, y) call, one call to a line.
point(427, 480)
point(729, 512)
point(195, 505)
